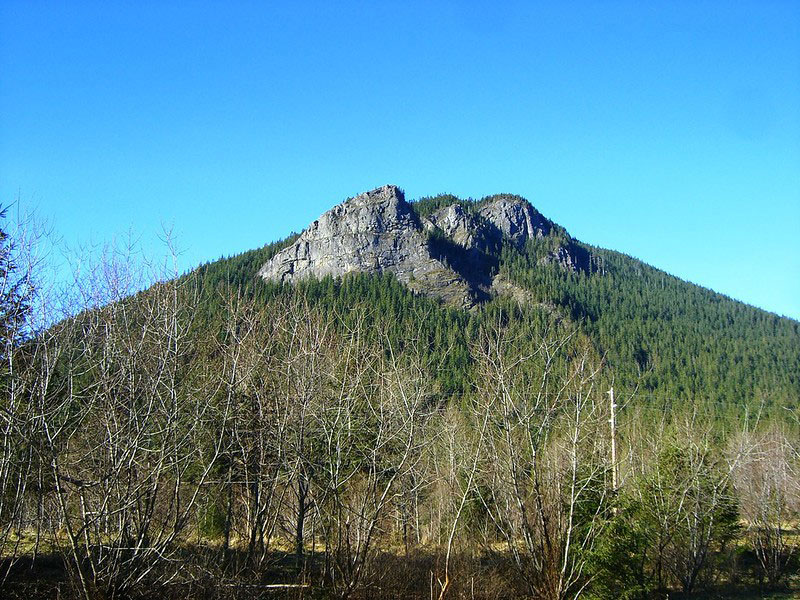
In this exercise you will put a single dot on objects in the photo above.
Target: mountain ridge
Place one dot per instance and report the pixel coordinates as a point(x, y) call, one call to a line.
point(654, 332)
point(445, 253)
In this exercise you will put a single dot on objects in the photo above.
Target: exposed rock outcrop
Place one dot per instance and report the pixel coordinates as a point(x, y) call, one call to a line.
point(462, 227)
point(516, 219)
point(451, 254)
point(374, 232)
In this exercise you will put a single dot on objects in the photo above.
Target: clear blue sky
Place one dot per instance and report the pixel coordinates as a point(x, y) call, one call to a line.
point(669, 131)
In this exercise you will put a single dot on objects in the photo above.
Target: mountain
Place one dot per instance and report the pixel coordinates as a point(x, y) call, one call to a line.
point(397, 370)
point(374, 232)
point(443, 268)
point(449, 253)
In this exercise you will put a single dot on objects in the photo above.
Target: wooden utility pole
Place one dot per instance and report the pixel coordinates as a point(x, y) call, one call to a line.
point(613, 421)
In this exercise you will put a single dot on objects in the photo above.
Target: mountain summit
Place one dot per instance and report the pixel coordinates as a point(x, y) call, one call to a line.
point(449, 251)
point(418, 264)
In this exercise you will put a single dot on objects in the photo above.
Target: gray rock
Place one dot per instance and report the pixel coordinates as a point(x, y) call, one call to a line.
point(374, 232)
point(515, 218)
point(378, 232)
point(465, 229)
point(567, 258)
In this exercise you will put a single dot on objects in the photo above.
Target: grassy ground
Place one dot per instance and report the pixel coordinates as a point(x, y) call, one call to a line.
point(393, 576)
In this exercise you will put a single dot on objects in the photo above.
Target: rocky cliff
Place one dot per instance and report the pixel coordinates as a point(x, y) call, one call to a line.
point(448, 254)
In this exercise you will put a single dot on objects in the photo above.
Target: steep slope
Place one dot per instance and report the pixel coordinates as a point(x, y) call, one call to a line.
point(450, 254)
point(374, 232)
point(669, 339)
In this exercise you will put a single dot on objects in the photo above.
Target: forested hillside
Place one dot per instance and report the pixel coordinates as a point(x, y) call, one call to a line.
point(216, 435)
point(670, 340)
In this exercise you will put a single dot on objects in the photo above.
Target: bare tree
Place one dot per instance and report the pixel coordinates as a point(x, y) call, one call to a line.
point(253, 454)
point(767, 482)
point(542, 473)
point(685, 498)
point(459, 449)
point(307, 347)
point(23, 258)
point(370, 425)
point(125, 430)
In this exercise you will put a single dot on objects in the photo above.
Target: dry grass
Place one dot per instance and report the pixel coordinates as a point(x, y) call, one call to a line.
point(213, 574)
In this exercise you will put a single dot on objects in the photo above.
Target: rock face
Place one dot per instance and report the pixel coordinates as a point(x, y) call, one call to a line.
point(516, 219)
point(461, 227)
point(449, 255)
point(374, 232)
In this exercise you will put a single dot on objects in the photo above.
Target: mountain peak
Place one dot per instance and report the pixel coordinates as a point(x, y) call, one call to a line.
point(387, 191)
point(384, 195)
point(516, 218)
point(448, 254)
point(374, 232)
